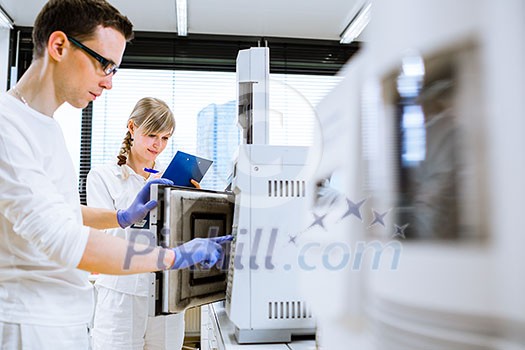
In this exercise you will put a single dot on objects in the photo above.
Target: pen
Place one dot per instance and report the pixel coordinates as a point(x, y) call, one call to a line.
point(153, 171)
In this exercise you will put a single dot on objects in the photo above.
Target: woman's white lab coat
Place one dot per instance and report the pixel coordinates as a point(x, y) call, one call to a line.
point(121, 314)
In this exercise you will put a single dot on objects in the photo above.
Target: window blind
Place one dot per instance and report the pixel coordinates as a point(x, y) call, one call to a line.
point(195, 75)
point(204, 105)
point(189, 94)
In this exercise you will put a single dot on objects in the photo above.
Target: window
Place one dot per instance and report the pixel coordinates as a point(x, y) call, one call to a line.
point(204, 104)
point(186, 92)
point(293, 98)
point(195, 75)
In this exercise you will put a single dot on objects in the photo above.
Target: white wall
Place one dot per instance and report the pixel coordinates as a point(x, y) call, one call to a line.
point(4, 58)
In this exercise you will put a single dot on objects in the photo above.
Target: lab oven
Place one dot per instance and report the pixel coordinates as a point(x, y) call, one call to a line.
point(183, 214)
point(265, 213)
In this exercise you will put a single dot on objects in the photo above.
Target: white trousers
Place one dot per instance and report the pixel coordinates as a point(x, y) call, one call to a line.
point(122, 322)
point(15, 336)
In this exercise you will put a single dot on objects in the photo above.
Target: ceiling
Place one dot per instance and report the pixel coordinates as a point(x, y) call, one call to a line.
point(311, 19)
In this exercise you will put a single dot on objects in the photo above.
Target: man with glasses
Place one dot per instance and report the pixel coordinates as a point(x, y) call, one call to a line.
point(46, 300)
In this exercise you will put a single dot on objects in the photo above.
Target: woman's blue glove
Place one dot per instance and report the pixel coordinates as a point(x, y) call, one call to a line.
point(140, 206)
point(203, 251)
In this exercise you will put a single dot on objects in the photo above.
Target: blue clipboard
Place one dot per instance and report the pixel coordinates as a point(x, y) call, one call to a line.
point(184, 167)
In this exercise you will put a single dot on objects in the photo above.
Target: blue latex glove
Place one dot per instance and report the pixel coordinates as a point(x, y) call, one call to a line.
point(140, 206)
point(203, 251)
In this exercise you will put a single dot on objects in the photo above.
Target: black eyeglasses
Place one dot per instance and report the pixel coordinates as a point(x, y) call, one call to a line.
point(108, 66)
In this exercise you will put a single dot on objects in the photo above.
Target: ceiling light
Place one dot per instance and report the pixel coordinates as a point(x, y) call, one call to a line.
point(356, 25)
point(5, 20)
point(182, 17)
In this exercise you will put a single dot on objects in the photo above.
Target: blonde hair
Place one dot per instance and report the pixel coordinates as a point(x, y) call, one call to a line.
point(150, 116)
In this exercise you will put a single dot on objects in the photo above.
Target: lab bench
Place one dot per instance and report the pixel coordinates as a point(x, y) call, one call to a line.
point(217, 333)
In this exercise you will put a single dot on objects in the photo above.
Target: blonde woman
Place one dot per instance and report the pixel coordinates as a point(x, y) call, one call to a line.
point(121, 313)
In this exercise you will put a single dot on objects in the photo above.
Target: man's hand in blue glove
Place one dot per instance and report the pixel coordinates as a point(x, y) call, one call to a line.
point(140, 206)
point(203, 251)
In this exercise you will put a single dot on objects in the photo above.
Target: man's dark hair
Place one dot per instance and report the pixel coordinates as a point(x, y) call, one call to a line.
point(77, 18)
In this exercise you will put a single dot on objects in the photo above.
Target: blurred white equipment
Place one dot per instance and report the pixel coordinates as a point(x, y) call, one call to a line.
point(459, 288)
point(263, 296)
